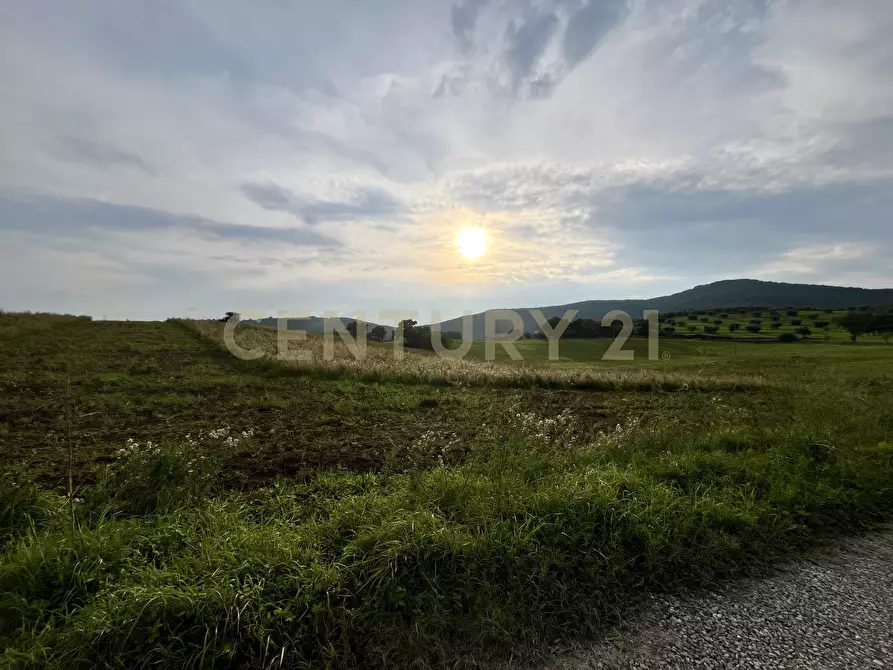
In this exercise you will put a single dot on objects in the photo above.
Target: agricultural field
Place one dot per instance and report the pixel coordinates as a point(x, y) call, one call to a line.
point(165, 503)
point(821, 325)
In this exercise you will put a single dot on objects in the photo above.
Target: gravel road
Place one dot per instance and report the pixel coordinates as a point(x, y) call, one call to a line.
point(834, 610)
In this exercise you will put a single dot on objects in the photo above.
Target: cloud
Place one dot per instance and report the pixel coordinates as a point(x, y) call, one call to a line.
point(463, 18)
point(47, 215)
point(364, 203)
point(611, 147)
point(80, 150)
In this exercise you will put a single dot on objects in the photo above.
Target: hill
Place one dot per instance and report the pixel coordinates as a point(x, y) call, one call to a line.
point(316, 324)
point(727, 293)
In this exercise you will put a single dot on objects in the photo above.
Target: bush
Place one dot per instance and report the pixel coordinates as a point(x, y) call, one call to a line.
point(787, 337)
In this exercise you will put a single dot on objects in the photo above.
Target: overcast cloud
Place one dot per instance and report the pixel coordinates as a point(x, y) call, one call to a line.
point(188, 157)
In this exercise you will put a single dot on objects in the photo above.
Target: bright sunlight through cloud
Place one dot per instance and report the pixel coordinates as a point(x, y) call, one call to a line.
point(472, 242)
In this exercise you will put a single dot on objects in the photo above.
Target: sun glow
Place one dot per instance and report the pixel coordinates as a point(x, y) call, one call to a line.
point(472, 242)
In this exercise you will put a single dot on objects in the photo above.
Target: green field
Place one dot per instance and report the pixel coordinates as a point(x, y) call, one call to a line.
point(166, 504)
point(694, 325)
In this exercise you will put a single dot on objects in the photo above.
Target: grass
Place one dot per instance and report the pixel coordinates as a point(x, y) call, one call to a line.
point(380, 364)
point(477, 524)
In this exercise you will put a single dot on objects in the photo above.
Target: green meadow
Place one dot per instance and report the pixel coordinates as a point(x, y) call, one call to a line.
point(165, 504)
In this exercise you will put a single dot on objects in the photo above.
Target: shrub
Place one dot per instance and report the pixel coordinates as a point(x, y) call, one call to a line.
point(787, 337)
point(804, 331)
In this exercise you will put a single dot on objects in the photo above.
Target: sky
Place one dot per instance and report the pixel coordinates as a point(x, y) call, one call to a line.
point(189, 157)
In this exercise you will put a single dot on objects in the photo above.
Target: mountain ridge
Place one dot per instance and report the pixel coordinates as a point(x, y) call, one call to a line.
point(723, 293)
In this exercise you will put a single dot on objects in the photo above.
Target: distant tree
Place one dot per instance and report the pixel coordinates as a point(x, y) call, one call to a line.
point(754, 328)
point(856, 323)
point(804, 332)
point(796, 322)
point(791, 312)
point(812, 317)
point(718, 322)
point(230, 316)
point(829, 311)
point(864, 308)
point(692, 329)
point(821, 324)
point(776, 325)
point(757, 314)
point(711, 329)
point(787, 337)
point(883, 326)
point(351, 328)
point(378, 333)
point(734, 326)
point(705, 319)
point(756, 321)
point(724, 315)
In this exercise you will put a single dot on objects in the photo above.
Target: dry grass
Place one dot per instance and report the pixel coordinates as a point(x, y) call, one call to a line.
point(380, 364)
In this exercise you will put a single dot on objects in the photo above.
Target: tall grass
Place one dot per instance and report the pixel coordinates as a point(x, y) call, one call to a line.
point(380, 364)
point(546, 527)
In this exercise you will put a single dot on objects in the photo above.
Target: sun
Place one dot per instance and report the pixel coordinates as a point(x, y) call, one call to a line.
point(472, 242)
